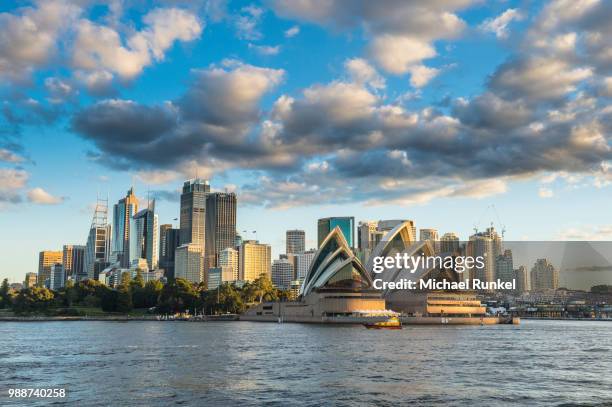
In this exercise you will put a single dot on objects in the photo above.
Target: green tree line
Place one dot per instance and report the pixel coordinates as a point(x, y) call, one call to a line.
point(176, 296)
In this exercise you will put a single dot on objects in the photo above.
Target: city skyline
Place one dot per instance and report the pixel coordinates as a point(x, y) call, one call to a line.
point(306, 112)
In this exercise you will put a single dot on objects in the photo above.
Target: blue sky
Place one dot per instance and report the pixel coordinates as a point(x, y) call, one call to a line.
point(431, 111)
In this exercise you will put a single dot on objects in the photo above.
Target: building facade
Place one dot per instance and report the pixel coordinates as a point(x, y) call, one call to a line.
point(282, 273)
point(169, 241)
point(220, 225)
point(144, 237)
point(218, 276)
point(46, 260)
point(544, 276)
point(255, 260)
point(504, 267)
point(30, 280)
point(229, 258)
point(345, 223)
point(193, 212)
point(73, 258)
point(189, 263)
point(295, 242)
point(123, 211)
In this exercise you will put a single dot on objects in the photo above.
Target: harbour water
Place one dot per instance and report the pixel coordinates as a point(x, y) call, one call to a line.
point(247, 363)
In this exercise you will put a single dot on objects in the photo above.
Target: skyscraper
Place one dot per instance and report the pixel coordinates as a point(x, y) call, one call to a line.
point(220, 230)
point(189, 263)
point(46, 260)
point(521, 279)
point(296, 241)
point(123, 211)
point(73, 257)
point(481, 245)
point(30, 280)
point(504, 267)
point(432, 236)
point(57, 277)
point(544, 276)
point(193, 211)
point(97, 250)
point(169, 241)
point(302, 264)
point(346, 224)
point(144, 237)
point(282, 273)
point(255, 260)
point(449, 243)
point(229, 258)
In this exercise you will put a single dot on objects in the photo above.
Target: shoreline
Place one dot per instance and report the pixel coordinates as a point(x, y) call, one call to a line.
point(121, 318)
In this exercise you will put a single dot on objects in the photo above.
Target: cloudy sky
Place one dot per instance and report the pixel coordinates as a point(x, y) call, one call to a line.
point(431, 111)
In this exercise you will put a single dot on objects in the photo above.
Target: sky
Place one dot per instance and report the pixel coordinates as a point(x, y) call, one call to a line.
point(451, 113)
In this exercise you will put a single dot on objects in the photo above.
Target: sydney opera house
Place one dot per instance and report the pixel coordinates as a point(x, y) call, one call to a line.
point(339, 288)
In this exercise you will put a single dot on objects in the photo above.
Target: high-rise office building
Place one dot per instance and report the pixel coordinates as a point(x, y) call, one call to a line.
point(218, 276)
point(229, 258)
point(432, 236)
point(189, 263)
point(449, 243)
point(255, 260)
point(295, 241)
point(30, 280)
point(544, 276)
point(97, 249)
point(57, 277)
point(282, 273)
point(302, 264)
point(144, 237)
point(169, 241)
point(123, 211)
point(73, 258)
point(346, 224)
point(368, 235)
point(220, 225)
point(481, 245)
point(46, 260)
point(521, 279)
point(193, 211)
point(389, 224)
point(504, 267)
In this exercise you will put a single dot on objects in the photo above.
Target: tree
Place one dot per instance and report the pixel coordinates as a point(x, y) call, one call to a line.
point(33, 299)
point(4, 294)
point(151, 293)
point(109, 300)
point(124, 294)
point(89, 287)
point(259, 289)
point(178, 296)
point(138, 293)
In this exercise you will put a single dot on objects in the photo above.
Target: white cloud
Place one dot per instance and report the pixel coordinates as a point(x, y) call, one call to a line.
point(538, 78)
point(292, 32)
point(362, 73)
point(29, 39)
point(247, 23)
point(11, 179)
point(397, 54)
point(499, 24)
point(10, 157)
point(99, 48)
point(42, 197)
point(265, 49)
point(420, 75)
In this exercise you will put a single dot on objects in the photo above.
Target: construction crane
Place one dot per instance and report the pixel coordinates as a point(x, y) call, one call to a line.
point(500, 225)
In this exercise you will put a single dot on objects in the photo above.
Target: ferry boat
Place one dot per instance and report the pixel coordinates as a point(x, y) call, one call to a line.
point(391, 323)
